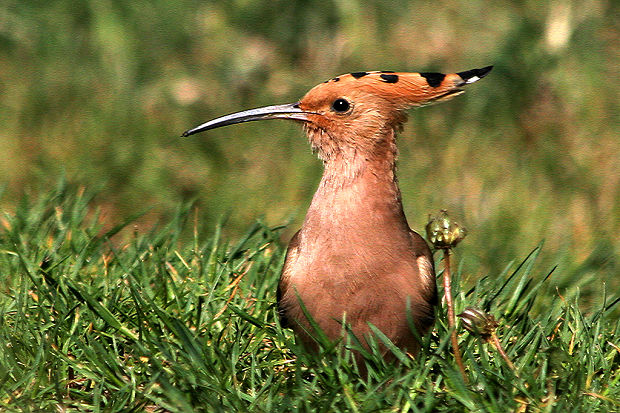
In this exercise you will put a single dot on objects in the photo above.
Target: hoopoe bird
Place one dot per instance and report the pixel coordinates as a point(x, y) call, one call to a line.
point(355, 259)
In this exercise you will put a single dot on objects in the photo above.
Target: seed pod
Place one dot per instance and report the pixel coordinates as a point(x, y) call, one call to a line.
point(478, 323)
point(443, 232)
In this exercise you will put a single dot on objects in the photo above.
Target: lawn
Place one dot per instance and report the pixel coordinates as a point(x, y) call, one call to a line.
point(179, 319)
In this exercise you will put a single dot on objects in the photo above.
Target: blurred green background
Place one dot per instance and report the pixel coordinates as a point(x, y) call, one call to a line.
point(99, 91)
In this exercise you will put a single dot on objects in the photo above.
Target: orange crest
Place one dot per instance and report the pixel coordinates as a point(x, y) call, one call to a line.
point(403, 90)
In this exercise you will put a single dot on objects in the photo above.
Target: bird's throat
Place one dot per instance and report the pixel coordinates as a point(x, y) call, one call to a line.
point(356, 196)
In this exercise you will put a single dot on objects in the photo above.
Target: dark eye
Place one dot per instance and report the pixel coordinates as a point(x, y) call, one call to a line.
point(341, 105)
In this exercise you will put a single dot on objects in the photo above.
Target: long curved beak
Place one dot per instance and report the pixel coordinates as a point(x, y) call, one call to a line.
point(287, 111)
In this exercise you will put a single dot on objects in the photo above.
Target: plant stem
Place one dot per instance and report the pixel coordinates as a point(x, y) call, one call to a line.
point(447, 284)
point(500, 350)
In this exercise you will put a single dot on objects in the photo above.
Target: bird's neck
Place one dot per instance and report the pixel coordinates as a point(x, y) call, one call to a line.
point(358, 191)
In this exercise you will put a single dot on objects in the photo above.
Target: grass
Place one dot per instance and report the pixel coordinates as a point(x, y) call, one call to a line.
point(178, 319)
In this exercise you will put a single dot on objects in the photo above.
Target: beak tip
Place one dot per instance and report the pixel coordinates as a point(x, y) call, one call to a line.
point(190, 132)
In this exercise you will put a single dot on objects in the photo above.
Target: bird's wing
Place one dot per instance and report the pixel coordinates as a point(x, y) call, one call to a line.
point(291, 256)
point(426, 266)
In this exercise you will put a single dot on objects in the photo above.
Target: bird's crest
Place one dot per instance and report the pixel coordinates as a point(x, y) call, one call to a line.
point(400, 88)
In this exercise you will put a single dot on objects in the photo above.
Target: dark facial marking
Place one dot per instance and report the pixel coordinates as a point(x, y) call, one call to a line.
point(336, 79)
point(357, 75)
point(433, 79)
point(389, 78)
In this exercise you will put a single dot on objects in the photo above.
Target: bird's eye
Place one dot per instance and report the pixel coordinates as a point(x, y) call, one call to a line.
point(341, 105)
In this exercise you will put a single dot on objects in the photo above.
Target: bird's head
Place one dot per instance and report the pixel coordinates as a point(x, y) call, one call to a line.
point(358, 112)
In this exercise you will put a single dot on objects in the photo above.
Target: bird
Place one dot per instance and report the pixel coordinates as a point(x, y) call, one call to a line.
point(355, 259)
